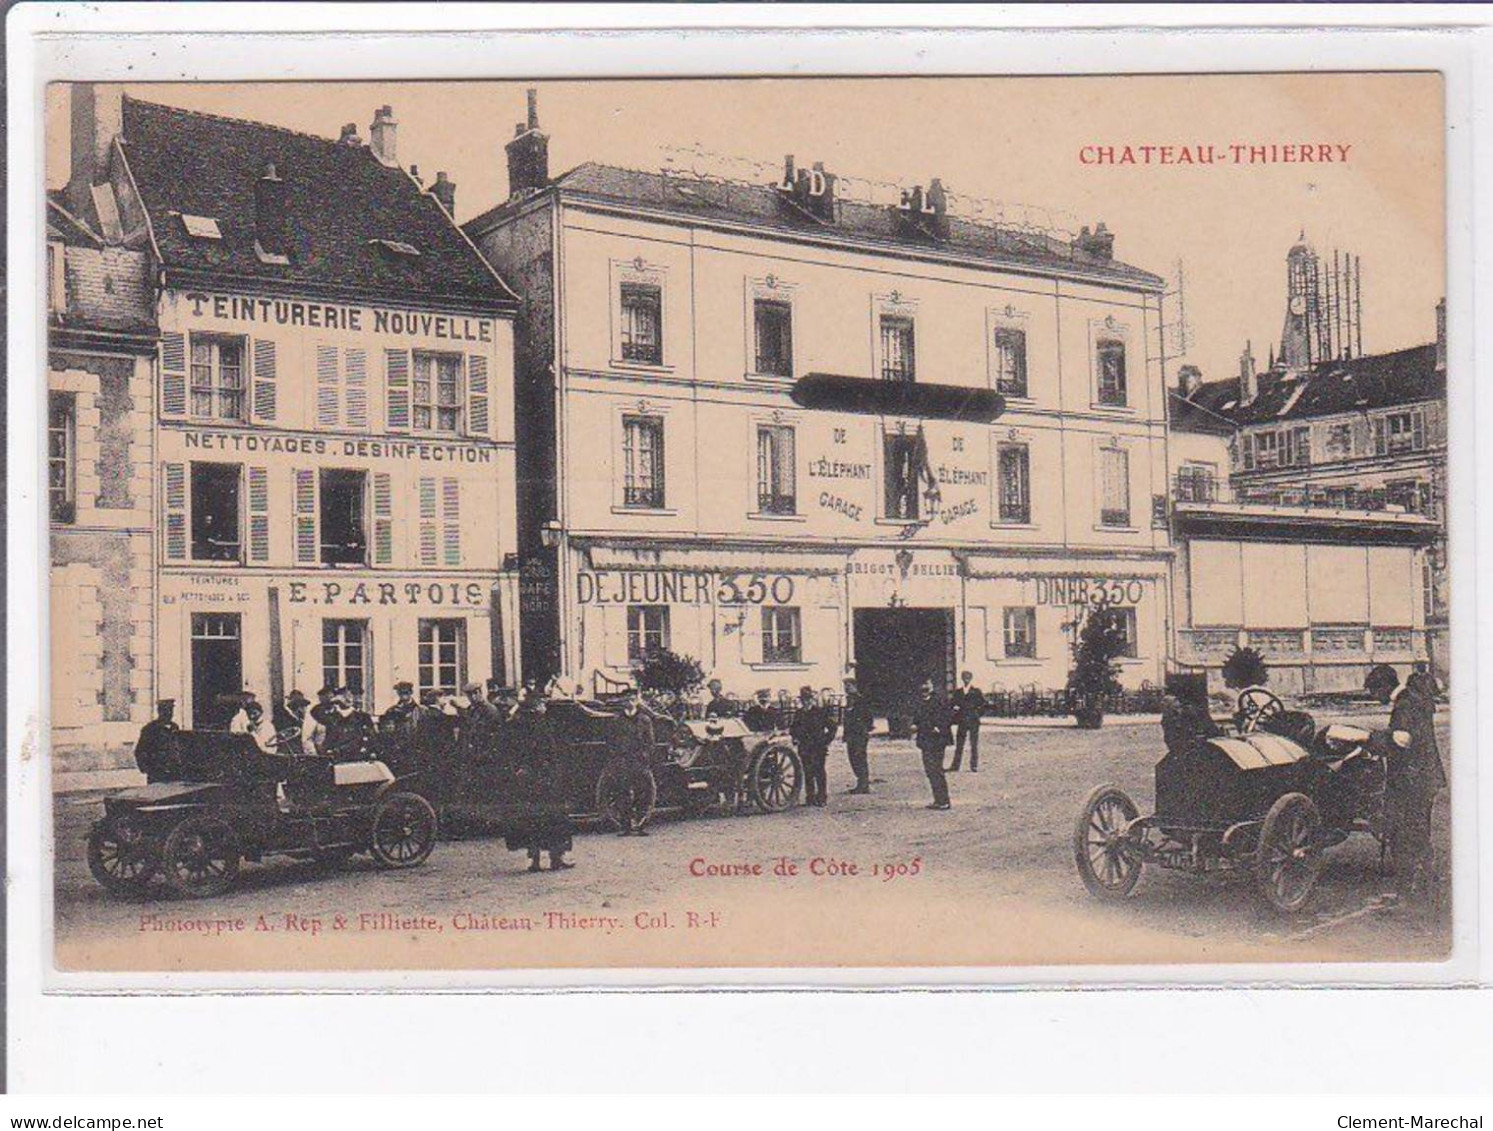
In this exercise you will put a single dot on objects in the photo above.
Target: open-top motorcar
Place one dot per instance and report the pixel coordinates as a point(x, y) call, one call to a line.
point(1269, 796)
point(232, 802)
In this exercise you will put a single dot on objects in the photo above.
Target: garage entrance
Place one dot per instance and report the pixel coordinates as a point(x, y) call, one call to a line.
point(896, 649)
point(217, 669)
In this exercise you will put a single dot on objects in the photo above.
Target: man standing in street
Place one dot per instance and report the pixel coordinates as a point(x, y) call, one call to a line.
point(158, 749)
point(813, 729)
point(931, 722)
point(857, 736)
point(635, 740)
point(1412, 778)
point(968, 703)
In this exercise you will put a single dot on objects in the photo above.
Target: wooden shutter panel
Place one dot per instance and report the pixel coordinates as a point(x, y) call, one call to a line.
point(397, 389)
point(173, 374)
point(451, 520)
point(174, 500)
point(1380, 444)
point(383, 519)
point(259, 514)
point(356, 378)
point(328, 407)
point(614, 636)
point(1247, 450)
point(751, 635)
point(264, 380)
point(305, 517)
point(1418, 431)
point(478, 423)
point(427, 513)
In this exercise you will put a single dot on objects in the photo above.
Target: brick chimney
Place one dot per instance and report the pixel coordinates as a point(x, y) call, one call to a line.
point(1249, 379)
point(1099, 244)
point(1441, 336)
point(528, 154)
point(97, 119)
point(1189, 379)
point(444, 190)
point(271, 224)
point(383, 136)
point(350, 135)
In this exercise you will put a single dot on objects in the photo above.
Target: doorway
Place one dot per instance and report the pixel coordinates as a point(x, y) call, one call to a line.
point(217, 669)
point(896, 649)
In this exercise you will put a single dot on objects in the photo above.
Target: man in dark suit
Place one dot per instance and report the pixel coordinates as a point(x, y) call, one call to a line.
point(158, 749)
point(719, 706)
point(760, 717)
point(857, 737)
point(634, 750)
point(1412, 778)
point(813, 730)
point(968, 704)
point(931, 723)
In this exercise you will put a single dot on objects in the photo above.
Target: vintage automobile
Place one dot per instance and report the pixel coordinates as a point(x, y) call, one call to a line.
point(235, 803)
point(1268, 798)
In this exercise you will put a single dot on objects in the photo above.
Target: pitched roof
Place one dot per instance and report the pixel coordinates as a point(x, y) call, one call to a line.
point(338, 198)
point(764, 206)
point(1381, 380)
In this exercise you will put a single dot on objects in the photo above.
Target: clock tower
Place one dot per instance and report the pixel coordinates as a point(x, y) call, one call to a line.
point(1296, 351)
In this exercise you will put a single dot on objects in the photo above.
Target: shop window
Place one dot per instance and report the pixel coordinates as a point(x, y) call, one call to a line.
point(643, 461)
point(217, 377)
point(776, 476)
point(1109, 364)
point(898, 353)
point(772, 322)
point(647, 631)
point(1010, 361)
point(62, 456)
point(436, 397)
point(1126, 617)
point(642, 323)
point(1020, 624)
point(216, 525)
point(442, 658)
point(1114, 504)
point(1014, 471)
point(903, 458)
point(344, 532)
point(782, 635)
point(345, 656)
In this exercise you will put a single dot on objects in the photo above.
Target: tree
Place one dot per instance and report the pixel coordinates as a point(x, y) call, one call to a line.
point(1095, 676)
point(1245, 667)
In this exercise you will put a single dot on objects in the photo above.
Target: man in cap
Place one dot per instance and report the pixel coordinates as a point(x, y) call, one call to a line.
point(350, 732)
point(857, 736)
point(634, 748)
point(1413, 774)
point(323, 709)
point(759, 716)
point(968, 704)
point(813, 729)
point(158, 749)
point(400, 720)
point(931, 721)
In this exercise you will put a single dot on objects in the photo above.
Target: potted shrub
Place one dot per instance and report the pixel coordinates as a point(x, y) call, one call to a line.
point(1095, 675)
point(1245, 667)
point(669, 678)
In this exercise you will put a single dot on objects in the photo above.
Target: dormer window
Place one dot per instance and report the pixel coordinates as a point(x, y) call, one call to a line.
point(201, 227)
point(396, 247)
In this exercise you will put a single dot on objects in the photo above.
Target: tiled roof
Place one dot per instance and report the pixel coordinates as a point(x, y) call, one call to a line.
point(764, 206)
point(1381, 380)
point(338, 198)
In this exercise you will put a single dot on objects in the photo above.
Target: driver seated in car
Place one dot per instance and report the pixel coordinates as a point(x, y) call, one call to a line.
point(1186, 723)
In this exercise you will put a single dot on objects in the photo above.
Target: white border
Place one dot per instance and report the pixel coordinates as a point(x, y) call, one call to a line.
point(47, 42)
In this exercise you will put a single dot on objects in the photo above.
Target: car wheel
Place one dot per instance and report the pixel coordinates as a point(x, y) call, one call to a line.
point(617, 791)
point(1101, 846)
point(120, 855)
point(774, 778)
point(403, 831)
point(1289, 858)
point(201, 857)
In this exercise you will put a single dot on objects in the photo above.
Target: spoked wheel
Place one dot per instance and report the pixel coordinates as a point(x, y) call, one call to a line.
point(120, 855)
point(201, 857)
point(1255, 705)
point(624, 789)
point(1107, 866)
point(404, 830)
point(1289, 858)
point(774, 778)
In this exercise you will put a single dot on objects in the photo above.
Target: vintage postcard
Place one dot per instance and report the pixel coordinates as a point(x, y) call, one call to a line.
point(771, 524)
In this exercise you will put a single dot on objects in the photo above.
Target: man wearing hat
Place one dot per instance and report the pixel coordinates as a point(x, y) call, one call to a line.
point(931, 722)
point(857, 736)
point(968, 708)
point(312, 735)
point(323, 709)
point(759, 716)
point(350, 732)
point(719, 706)
point(401, 719)
point(813, 729)
point(158, 749)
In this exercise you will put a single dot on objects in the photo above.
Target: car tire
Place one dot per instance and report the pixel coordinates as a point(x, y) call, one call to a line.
point(775, 777)
point(611, 793)
point(1107, 869)
point(201, 857)
point(120, 856)
point(1288, 858)
point(402, 831)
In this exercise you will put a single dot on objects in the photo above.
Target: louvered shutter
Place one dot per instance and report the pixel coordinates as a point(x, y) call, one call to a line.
point(173, 375)
point(1247, 450)
point(427, 511)
point(264, 380)
point(1380, 444)
point(1418, 431)
point(397, 389)
point(259, 514)
point(174, 503)
point(383, 519)
point(614, 636)
point(328, 406)
point(451, 520)
point(355, 376)
point(751, 635)
point(478, 423)
point(305, 517)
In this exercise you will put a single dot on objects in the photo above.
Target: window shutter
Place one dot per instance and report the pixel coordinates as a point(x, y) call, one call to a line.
point(1247, 448)
point(328, 414)
point(1418, 431)
point(751, 635)
point(173, 374)
point(427, 521)
point(1379, 441)
point(305, 517)
point(451, 520)
point(397, 389)
point(1304, 446)
point(174, 495)
point(614, 635)
point(356, 377)
point(264, 380)
point(477, 413)
point(259, 514)
point(383, 518)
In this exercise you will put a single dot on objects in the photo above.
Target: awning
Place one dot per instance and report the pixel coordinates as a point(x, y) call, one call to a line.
point(724, 560)
point(897, 398)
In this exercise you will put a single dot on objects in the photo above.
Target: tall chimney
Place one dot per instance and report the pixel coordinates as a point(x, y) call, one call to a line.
point(1100, 243)
point(1441, 336)
point(383, 136)
point(271, 224)
point(528, 154)
point(444, 190)
point(1249, 380)
point(350, 135)
point(97, 119)
point(938, 202)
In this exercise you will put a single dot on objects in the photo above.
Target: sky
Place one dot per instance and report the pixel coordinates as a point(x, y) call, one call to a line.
point(1010, 140)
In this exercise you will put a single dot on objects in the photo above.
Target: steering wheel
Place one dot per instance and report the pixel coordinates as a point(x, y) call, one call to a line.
point(1255, 705)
